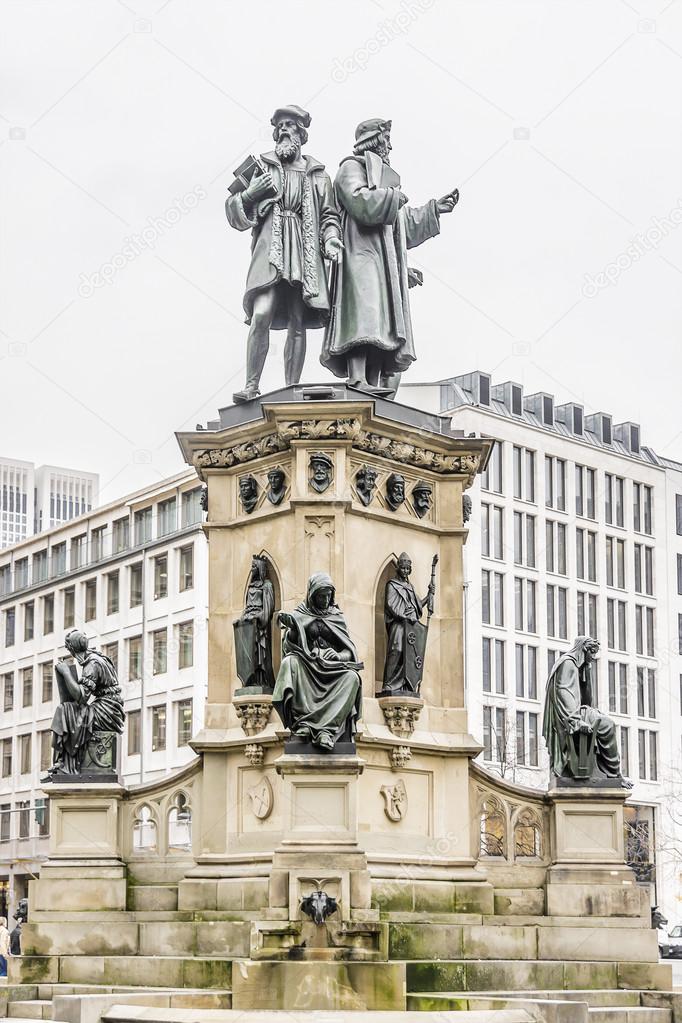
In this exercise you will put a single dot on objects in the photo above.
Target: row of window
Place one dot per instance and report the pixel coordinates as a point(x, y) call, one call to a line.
point(111, 583)
point(88, 549)
point(524, 488)
point(27, 745)
point(23, 821)
point(556, 559)
point(183, 647)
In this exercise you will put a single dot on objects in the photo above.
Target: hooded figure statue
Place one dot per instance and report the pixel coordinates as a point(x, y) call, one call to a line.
point(318, 691)
point(570, 712)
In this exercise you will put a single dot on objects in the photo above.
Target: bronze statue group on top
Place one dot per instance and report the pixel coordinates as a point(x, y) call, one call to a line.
point(361, 229)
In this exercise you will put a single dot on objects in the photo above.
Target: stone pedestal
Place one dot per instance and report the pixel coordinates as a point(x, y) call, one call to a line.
point(588, 875)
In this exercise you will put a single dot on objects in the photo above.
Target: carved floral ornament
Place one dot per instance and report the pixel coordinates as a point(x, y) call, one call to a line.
point(338, 429)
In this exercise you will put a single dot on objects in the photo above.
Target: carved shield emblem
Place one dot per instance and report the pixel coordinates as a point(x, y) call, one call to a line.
point(262, 798)
point(395, 800)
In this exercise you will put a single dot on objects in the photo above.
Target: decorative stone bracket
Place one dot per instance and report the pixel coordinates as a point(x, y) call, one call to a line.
point(401, 713)
point(253, 712)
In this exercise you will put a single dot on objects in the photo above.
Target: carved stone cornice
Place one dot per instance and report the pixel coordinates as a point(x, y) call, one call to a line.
point(253, 712)
point(348, 429)
point(401, 713)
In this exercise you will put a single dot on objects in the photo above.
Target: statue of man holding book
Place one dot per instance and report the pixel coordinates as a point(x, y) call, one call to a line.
point(286, 201)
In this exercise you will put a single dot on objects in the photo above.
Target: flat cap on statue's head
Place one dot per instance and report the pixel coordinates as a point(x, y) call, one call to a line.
point(321, 458)
point(292, 110)
point(369, 129)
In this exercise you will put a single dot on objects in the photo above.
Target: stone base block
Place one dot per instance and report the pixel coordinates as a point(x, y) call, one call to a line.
point(28, 969)
point(78, 894)
point(402, 895)
point(604, 900)
point(242, 893)
point(326, 986)
point(447, 941)
point(519, 902)
point(623, 945)
point(79, 938)
point(153, 898)
point(197, 894)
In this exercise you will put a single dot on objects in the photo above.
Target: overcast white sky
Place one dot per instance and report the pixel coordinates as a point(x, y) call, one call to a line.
point(558, 119)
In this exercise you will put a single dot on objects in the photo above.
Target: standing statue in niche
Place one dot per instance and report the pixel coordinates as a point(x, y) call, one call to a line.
point(581, 741)
point(286, 201)
point(369, 336)
point(253, 630)
point(406, 633)
point(89, 715)
point(318, 692)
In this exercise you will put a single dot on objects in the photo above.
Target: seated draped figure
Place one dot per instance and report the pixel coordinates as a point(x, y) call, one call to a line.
point(318, 691)
point(88, 706)
point(581, 741)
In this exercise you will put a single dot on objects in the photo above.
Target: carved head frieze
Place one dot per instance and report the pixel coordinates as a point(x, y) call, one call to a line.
point(395, 490)
point(248, 492)
point(321, 471)
point(422, 498)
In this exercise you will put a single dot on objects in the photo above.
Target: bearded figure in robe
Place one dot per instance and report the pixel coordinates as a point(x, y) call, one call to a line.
point(290, 210)
point(318, 692)
point(369, 336)
point(570, 712)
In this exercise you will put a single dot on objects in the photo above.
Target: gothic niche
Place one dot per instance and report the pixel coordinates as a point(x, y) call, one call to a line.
point(180, 823)
point(493, 828)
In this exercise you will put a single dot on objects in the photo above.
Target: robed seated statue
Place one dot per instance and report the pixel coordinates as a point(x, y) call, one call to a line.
point(318, 692)
point(581, 741)
point(90, 707)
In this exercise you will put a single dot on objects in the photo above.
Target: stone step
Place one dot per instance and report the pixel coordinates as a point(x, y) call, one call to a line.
point(133, 1014)
point(594, 999)
point(459, 975)
point(33, 1008)
point(618, 1014)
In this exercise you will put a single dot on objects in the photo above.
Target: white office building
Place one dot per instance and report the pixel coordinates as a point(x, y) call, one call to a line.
point(133, 576)
point(36, 499)
point(575, 529)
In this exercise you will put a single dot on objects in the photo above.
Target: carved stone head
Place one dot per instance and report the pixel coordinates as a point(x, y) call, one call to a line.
point(422, 498)
point(365, 483)
point(395, 490)
point(404, 566)
point(248, 492)
point(466, 508)
point(276, 485)
point(321, 471)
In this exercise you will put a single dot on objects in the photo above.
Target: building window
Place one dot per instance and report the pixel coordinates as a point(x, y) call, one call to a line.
point(644, 630)
point(142, 526)
point(618, 688)
point(642, 508)
point(625, 751)
point(555, 483)
point(90, 600)
point(493, 665)
point(112, 593)
point(524, 539)
point(653, 756)
point(69, 607)
point(42, 814)
point(133, 722)
point(533, 740)
point(614, 491)
point(555, 547)
point(136, 584)
point(5, 822)
point(10, 623)
point(24, 809)
point(45, 741)
point(46, 681)
point(644, 570)
point(7, 758)
point(79, 546)
point(120, 535)
point(161, 576)
point(586, 608)
point(557, 612)
point(134, 658)
point(492, 597)
point(29, 620)
point(492, 532)
point(492, 477)
point(167, 517)
point(184, 720)
point(97, 543)
point(25, 754)
point(191, 508)
point(646, 692)
point(58, 559)
point(5, 579)
point(160, 650)
point(40, 567)
point(678, 514)
point(186, 581)
point(526, 658)
point(110, 650)
point(159, 728)
point(615, 562)
point(186, 645)
point(524, 474)
point(525, 611)
point(615, 624)
point(520, 737)
point(27, 687)
point(48, 614)
point(8, 691)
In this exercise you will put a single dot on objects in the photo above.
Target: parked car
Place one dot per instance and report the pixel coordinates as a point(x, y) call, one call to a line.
point(670, 945)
